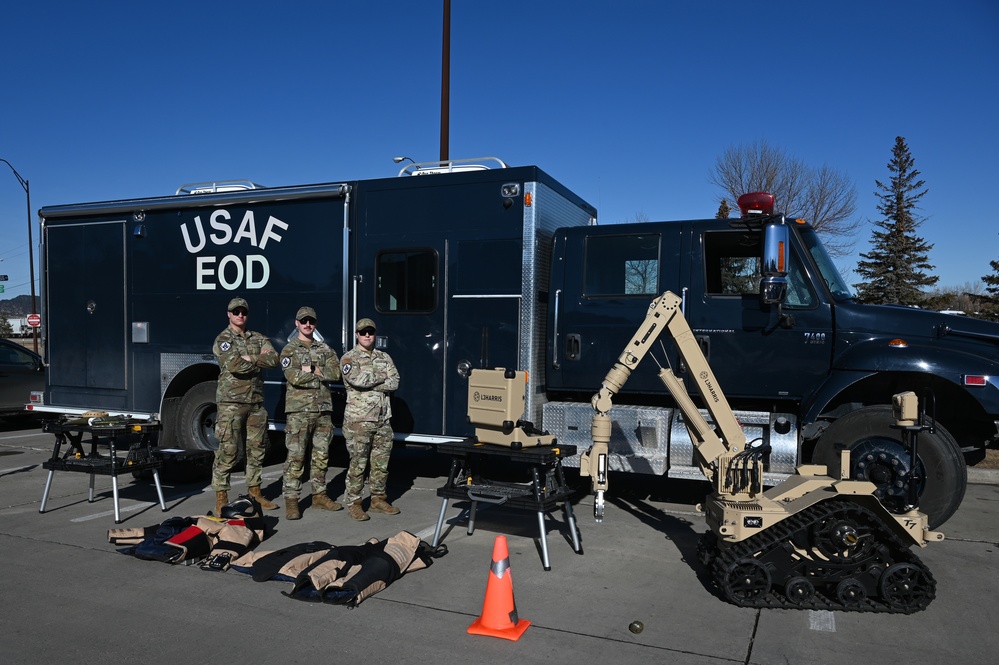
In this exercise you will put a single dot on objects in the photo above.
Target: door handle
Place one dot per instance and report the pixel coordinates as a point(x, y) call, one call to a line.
point(573, 346)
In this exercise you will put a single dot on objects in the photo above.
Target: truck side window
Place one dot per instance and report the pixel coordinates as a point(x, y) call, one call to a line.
point(406, 280)
point(732, 263)
point(625, 265)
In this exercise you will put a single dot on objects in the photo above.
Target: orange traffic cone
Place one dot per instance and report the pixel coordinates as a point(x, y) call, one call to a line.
point(499, 612)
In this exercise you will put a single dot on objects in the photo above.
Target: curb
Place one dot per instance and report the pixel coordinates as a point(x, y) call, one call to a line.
point(983, 476)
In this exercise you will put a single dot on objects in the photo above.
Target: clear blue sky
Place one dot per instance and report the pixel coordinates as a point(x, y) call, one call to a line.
point(628, 103)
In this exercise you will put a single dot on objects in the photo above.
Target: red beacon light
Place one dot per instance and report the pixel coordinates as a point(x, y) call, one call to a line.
point(757, 204)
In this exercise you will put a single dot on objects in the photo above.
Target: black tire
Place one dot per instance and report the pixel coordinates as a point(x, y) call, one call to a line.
point(940, 458)
point(196, 418)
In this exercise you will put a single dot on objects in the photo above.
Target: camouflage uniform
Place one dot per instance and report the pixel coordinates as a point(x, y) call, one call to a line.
point(308, 406)
point(369, 377)
point(240, 400)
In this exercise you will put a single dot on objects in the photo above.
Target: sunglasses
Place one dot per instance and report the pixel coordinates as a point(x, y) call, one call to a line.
point(307, 321)
point(366, 331)
point(239, 312)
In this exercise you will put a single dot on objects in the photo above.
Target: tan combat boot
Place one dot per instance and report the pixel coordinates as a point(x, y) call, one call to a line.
point(221, 498)
point(291, 510)
point(322, 500)
point(380, 505)
point(355, 511)
point(261, 499)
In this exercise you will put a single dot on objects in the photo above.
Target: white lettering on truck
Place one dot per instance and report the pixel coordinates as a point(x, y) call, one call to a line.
point(231, 272)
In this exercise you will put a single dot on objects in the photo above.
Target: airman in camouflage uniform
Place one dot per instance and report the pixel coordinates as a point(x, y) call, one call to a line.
point(241, 355)
point(307, 363)
point(369, 376)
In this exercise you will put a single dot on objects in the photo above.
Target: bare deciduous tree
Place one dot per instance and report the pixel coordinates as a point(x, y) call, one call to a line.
point(826, 198)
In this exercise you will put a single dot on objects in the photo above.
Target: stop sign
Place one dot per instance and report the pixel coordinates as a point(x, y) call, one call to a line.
point(34, 320)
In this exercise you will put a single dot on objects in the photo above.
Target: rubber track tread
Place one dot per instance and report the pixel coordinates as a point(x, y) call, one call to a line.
point(758, 545)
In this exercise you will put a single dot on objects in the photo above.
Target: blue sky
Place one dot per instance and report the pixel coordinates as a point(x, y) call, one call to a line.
point(628, 103)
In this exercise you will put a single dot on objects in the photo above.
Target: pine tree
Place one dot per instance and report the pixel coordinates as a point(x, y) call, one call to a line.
point(990, 302)
point(723, 210)
point(897, 267)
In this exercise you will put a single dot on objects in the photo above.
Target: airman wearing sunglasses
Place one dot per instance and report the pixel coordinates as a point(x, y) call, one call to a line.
point(308, 363)
point(370, 376)
point(241, 355)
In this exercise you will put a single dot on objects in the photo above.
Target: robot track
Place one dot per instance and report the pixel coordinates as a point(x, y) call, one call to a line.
point(835, 555)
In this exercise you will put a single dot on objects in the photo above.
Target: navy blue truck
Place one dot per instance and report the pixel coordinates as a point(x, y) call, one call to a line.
point(465, 267)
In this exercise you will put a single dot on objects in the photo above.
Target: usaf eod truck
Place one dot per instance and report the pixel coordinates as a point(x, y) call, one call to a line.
point(452, 265)
point(465, 267)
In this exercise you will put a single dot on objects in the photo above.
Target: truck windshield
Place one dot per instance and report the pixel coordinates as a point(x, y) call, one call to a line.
point(833, 280)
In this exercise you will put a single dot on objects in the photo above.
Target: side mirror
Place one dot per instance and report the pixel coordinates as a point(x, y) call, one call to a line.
point(773, 290)
point(773, 286)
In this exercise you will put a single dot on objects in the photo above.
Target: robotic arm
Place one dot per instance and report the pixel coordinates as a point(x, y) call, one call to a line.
point(712, 443)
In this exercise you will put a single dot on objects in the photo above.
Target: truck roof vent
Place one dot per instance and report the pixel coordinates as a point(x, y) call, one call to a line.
point(217, 186)
point(448, 165)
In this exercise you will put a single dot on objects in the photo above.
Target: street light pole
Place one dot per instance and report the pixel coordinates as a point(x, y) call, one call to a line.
point(31, 249)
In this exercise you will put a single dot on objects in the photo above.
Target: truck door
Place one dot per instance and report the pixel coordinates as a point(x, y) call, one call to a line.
point(399, 287)
point(483, 316)
point(752, 351)
point(603, 280)
point(86, 280)
point(442, 308)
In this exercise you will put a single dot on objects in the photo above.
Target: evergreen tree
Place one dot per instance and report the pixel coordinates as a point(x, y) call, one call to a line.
point(723, 210)
point(897, 267)
point(990, 302)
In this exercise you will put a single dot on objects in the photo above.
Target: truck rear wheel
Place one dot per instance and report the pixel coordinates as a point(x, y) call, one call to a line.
point(196, 418)
point(877, 454)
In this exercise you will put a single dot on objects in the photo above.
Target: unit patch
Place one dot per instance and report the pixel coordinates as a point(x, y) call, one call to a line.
point(225, 346)
point(286, 362)
point(346, 368)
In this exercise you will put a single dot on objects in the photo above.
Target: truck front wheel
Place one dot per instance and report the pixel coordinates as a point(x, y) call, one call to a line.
point(196, 418)
point(877, 455)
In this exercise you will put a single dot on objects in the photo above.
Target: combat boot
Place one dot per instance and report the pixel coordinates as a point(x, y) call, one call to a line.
point(261, 499)
point(356, 512)
point(322, 500)
point(380, 505)
point(221, 498)
point(291, 510)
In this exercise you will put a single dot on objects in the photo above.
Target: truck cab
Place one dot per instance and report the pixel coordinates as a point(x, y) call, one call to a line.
point(807, 370)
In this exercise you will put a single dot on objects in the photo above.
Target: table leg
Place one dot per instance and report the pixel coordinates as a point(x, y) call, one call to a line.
point(159, 489)
point(45, 494)
point(440, 524)
point(544, 541)
point(571, 520)
point(90, 494)
point(114, 492)
point(471, 518)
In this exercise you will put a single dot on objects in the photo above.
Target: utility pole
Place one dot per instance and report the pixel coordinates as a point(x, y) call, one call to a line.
point(445, 81)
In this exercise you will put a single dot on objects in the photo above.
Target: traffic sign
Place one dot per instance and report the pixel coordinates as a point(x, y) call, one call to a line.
point(34, 320)
point(1, 288)
point(3, 278)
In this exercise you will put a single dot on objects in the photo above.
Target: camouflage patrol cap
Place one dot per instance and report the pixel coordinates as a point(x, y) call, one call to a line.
point(237, 302)
point(365, 323)
point(304, 312)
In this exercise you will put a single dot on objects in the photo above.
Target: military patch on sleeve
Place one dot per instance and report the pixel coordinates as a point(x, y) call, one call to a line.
point(286, 361)
point(225, 346)
point(346, 368)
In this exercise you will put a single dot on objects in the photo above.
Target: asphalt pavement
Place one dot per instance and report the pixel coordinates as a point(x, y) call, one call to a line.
point(70, 596)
